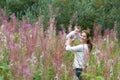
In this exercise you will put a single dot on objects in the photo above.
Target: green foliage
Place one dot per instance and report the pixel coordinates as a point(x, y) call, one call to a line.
point(78, 12)
point(1, 78)
point(4, 67)
point(50, 73)
point(88, 12)
point(99, 78)
point(70, 57)
point(37, 76)
point(19, 7)
point(2, 3)
point(4, 71)
point(65, 76)
point(116, 68)
point(91, 76)
point(76, 42)
point(118, 32)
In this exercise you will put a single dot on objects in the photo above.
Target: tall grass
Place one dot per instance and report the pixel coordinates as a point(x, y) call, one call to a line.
point(104, 63)
point(28, 52)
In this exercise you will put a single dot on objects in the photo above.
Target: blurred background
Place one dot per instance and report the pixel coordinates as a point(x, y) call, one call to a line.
point(85, 13)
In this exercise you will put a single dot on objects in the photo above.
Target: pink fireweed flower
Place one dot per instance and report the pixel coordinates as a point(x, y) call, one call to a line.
point(26, 71)
point(106, 33)
point(20, 29)
point(27, 25)
point(3, 16)
point(105, 56)
point(13, 15)
point(61, 32)
point(5, 21)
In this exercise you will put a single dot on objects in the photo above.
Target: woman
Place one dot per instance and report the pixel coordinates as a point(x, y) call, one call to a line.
point(80, 50)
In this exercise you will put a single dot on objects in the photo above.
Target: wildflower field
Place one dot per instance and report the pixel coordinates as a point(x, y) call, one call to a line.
point(28, 52)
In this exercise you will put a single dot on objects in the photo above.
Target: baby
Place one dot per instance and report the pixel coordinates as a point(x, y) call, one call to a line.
point(73, 34)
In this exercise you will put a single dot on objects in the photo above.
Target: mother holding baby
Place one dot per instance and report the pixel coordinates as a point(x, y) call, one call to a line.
point(80, 51)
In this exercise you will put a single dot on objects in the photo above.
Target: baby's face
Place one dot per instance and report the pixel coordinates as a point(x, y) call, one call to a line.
point(77, 30)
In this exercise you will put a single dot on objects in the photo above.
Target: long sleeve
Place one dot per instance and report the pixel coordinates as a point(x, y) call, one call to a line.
point(79, 52)
point(78, 48)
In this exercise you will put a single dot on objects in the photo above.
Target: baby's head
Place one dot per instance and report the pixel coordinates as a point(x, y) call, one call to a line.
point(77, 29)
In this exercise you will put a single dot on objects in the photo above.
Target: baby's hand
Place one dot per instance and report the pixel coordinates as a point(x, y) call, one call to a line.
point(71, 37)
point(70, 41)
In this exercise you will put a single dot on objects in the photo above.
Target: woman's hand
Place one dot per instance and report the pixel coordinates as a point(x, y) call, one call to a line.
point(70, 41)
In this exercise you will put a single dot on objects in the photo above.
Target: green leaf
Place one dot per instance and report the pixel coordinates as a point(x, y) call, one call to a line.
point(1, 78)
point(4, 67)
point(99, 78)
point(88, 75)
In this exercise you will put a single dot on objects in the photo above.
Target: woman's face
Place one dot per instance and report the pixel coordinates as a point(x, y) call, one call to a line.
point(83, 37)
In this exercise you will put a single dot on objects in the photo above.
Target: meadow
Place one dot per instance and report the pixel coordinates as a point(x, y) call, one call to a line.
point(28, 52)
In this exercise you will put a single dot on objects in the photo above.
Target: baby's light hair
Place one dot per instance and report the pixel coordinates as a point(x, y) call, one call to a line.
point(78, 27)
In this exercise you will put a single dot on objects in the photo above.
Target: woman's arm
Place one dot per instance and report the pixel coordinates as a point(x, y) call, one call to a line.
point(78, 48)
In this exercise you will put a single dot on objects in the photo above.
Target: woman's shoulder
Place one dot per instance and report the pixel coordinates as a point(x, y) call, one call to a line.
point(86, 46)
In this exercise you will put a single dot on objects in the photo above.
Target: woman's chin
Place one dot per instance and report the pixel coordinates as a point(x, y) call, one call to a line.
point(81, 41)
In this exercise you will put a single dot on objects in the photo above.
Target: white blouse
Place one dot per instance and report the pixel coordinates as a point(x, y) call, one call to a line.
point(79, 54)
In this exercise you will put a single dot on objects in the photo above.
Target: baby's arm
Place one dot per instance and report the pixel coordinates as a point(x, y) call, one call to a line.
point(70, 34)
